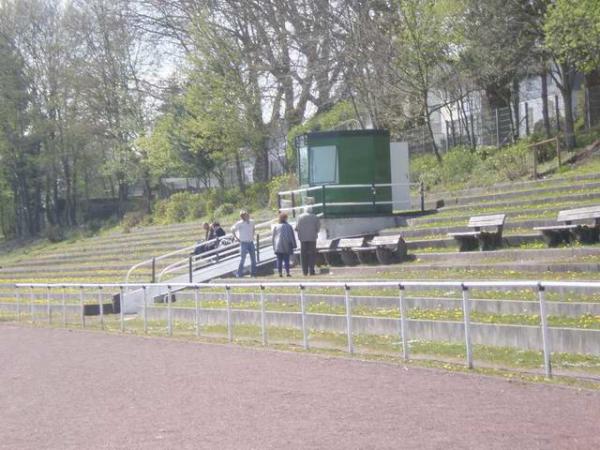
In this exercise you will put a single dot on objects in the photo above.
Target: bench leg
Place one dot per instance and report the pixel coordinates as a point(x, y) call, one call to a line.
point(367, 257)
point(334, 259)
point(489, 241)
point(467, 244)
point(586, 235)
point(385, 256)
point(349, 258)
point(552, 238)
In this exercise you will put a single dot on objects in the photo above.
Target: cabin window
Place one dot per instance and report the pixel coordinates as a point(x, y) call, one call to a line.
point(303, 165)
point(324, 165)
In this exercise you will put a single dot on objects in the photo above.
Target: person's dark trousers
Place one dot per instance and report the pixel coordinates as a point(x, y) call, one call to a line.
point(283, 260)
point(308, 256)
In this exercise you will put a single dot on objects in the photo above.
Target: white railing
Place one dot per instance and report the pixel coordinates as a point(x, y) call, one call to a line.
point(297, 203)
point(52, 302)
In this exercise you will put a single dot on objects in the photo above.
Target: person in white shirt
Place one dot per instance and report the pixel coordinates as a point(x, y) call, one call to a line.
point(243, 231)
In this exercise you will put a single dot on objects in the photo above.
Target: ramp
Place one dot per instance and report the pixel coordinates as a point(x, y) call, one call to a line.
point(214, 264)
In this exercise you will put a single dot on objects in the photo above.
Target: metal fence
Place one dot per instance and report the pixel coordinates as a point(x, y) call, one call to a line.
point(85, 305)
point(497, 127)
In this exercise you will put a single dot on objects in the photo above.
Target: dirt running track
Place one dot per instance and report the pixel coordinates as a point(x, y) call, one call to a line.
point(74, 389)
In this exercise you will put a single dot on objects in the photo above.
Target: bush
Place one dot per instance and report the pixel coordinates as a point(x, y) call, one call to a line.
point(55, 233)
point(131, 220)
point(283, 182)
point(180, 207)
point(223, 210)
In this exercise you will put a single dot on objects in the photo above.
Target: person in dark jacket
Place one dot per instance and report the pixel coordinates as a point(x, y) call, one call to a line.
point(218, 231)
point(284, 243)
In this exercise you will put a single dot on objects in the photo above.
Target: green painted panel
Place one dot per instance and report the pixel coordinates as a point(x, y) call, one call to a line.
point(363, 158)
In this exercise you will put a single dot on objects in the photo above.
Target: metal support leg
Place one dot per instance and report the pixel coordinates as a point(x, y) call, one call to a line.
point(169, 312)
point(122, 308)
point(145, 310)
point(82, 307)
point(304, 327)
point(48, 305)
point(197, 303)
point(467, 321)
point(64, 307)
point(229, 326)
point(31, 301)
point(18, 297)
point(101, 306)
point(403, 324)
point(263, 316)
point(349, 319)
point(545, 332)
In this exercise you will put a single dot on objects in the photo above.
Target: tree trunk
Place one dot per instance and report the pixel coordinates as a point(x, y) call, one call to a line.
point(545, 112)
point(515, 105)
point(239, 172)
point(567, 96)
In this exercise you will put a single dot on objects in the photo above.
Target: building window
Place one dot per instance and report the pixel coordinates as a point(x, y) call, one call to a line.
point(324, 165)
point(303, 165)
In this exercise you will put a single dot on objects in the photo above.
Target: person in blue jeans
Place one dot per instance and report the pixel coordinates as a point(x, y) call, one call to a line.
point(243, 231)
point(284, 243)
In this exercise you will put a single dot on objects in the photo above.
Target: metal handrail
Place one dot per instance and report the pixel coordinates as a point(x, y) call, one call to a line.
point(187, 249)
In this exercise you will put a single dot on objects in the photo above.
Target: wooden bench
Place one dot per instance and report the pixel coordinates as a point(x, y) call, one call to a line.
point(389, 249)
point(480, 238)
point(327, 253)
point(566, 230)
point(347, 247)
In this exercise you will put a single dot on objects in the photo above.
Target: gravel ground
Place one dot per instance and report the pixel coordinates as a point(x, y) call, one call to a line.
point(78, 389)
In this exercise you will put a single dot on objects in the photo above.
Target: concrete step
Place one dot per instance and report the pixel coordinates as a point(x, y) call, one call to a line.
point(517, 255)
point(409, 233)
point(508, 240)
point(491, 197)
point(554, 198)
point(516, 186)
point(458, 216)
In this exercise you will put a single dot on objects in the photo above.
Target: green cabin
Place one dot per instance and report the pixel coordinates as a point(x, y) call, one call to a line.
point(343, 171)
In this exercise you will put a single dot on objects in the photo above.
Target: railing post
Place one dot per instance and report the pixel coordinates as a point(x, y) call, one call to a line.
point(303, 310)
point(374, 196)
point(48, 305)
point(293, 204)
point(197, 304)
point(348, 319)
point(526, 119)
point(403, 324)
point(278, 202)
point(101, 306)
point(467, 320)
point(64, 306)
point(422, 195)
point(82, 306)
point(145, 313)
point(121, 309)
point(190, 270)
point(257, 247)
point(558, 155)
point(545, 333)
point(153, 279)
point(18, 297)
point(228, 300)
point(31, 301)
point(323, 195)
point(263, 318)
point(535, 173)
point(169, 312)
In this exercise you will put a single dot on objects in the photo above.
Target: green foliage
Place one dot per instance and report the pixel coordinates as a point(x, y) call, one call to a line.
point(462, 166)
point(180, 207)
point(284, 182)
point(223, 210)
point(341, 116)
point(573, 33)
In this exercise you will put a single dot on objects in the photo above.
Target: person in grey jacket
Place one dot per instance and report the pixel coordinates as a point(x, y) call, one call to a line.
point(284, 243)
point(308, 226)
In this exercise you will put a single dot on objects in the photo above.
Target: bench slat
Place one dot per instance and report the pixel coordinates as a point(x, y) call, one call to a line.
point(351, 242)
point(495, 220)
point(591, 212)
point(385, 240)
